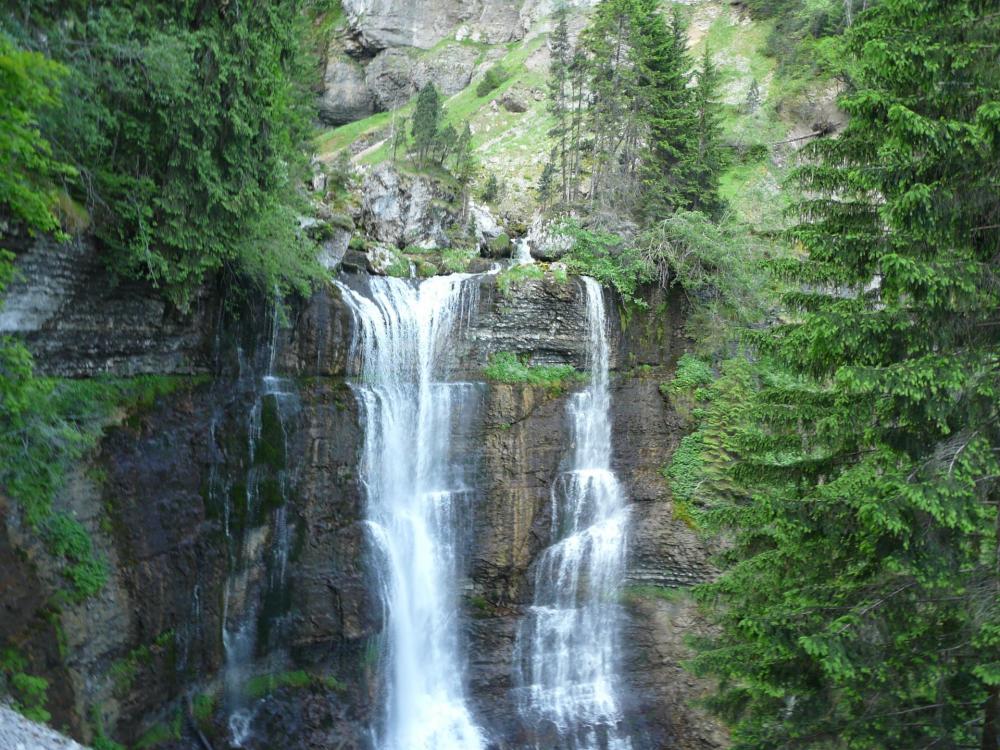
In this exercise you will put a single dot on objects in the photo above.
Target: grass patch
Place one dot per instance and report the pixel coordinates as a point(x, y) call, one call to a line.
point(511, 278)
point(265, 684)
point(507, 367)
point(650, 592)
point(457, 259)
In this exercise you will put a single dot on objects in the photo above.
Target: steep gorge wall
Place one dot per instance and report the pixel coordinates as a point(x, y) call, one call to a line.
point(164, 498)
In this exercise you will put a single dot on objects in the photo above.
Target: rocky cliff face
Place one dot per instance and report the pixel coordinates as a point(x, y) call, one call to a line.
point(236, 499)
point(386, 50)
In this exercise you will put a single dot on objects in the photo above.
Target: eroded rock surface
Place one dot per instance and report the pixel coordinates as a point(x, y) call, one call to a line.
point(169, 504)
point(79, 322)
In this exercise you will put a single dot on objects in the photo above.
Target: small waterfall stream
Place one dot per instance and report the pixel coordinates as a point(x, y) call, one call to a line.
point(418, 495)
point(255, 521)
point(568, 642)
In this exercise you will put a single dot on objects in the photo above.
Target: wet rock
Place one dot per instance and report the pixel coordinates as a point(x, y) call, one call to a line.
point(544, 320)
point(524, 441)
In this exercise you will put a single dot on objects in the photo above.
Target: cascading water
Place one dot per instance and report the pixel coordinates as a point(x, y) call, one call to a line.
point(256, 525)
point(568, 641)
point(418, 492)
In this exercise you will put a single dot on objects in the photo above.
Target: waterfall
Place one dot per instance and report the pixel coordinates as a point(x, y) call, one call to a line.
point(568, 641)
point(255, 522)
point(418, 495)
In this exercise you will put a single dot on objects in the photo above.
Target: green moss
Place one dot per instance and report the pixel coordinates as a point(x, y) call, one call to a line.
point(506, 367)
point(271, 494)
point(28, 692)
point(399, 268)
point(124, 671)
point(500, 245)
point(511, 278)
point(457, 259)
point(161, 733)
point(649, 592)
point(480, 606)
point(426, 269)
point(270, 447)
point(203, 706)
point(265, 684)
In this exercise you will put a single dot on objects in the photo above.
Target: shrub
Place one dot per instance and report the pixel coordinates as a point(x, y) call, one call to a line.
point(492, 80)
point(606, 258)
point(507, 367)
point(29, 693)
point(510, 278)
point(500, 245)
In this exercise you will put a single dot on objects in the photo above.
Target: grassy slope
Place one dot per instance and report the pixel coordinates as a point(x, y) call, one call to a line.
point(514, 146)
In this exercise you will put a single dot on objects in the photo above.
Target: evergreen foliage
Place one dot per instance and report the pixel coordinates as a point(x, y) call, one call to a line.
point(426, 117)
point(29, 83)
point(710, 160)
point(186, 124)
point(609, 260)
point(859, 603)
point(546, 182)
point(492, 80)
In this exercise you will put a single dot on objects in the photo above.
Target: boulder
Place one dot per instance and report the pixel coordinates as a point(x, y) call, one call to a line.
point(484, 226)
point(546, 243)
point(385, 261)
point(512, 102)
point(332, 250)
point(19, 733)
point(450, 68)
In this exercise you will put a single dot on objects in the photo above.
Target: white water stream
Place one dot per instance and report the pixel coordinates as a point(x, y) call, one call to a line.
point(418, 497)
point(568, 642)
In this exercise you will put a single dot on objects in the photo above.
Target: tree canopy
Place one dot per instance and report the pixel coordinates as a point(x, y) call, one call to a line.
point(859, 603)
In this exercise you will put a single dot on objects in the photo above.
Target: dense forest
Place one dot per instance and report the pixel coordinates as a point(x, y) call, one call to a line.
point(839, 392)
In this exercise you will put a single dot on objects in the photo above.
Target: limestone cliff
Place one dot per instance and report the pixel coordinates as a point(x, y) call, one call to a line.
point(189, 500)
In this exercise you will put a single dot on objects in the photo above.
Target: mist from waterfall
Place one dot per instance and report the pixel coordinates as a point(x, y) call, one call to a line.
point(568, 641)
point(418, 500)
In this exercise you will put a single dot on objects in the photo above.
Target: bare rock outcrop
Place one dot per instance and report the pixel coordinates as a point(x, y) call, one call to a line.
point(18, 733)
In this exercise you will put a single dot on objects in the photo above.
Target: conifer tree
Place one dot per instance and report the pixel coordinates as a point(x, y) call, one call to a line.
point(426, 116)
point(546, 181)
point(709, 163)
point(465, 165)
point(670, 171)
point(859, 603)
point(559, 96)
